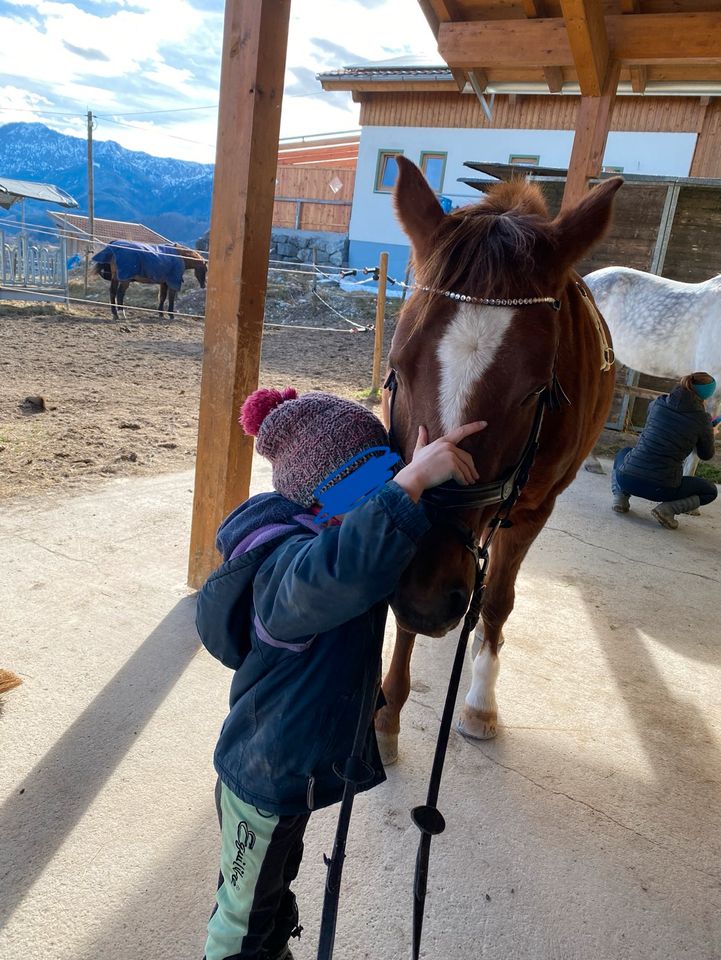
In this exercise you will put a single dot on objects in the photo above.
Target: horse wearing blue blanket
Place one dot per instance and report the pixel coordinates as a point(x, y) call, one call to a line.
point(124, 262)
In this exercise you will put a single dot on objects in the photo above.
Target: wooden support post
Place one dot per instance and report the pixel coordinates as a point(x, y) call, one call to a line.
point(251, 90)
point(589, 143)
point(380, 322)
point(668, 214)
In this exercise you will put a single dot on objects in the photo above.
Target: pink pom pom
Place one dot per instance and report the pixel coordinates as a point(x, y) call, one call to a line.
point(259, 404)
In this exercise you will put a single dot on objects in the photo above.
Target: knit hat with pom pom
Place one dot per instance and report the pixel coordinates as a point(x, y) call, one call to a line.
point(307, 438)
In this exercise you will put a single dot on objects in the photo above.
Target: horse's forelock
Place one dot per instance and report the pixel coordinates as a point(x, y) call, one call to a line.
point(515, 196)
point(490, 249)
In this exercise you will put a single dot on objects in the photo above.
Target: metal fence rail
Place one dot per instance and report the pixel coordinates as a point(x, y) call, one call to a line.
point(34, 267)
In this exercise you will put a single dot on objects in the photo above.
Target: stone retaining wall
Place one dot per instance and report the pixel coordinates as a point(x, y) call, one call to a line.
point(297, 246)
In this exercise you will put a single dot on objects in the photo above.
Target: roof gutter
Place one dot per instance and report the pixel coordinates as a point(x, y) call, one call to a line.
point(653, 89)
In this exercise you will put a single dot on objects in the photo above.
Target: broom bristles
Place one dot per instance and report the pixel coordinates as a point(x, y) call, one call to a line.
point(8, 681)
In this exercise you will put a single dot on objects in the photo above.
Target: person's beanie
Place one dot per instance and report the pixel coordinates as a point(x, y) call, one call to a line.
point(705, 390)
point(307, 438)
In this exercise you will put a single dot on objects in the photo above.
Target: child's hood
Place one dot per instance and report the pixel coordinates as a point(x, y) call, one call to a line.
point(254, 522)
point(245, 539)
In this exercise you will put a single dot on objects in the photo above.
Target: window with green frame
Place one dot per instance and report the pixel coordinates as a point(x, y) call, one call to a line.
point(433, 166)
point(609, 168)
point(386, 171)
point(524, 159)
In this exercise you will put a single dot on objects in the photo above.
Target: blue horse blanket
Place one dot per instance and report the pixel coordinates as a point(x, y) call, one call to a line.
point(147, 261)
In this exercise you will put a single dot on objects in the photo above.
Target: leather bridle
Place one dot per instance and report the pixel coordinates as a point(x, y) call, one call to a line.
point(451, 495)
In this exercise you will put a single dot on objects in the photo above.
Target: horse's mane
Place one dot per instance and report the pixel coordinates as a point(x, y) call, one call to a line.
point(487, 250)
point(187, 252)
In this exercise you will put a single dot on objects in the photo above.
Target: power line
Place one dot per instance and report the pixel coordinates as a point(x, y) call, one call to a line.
point(173, 136)
point(50, 113)
point(148, 113)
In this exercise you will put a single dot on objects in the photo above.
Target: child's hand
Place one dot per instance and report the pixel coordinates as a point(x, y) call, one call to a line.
point(435, 463)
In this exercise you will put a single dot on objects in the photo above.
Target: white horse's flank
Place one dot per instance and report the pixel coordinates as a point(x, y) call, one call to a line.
point(661, 327)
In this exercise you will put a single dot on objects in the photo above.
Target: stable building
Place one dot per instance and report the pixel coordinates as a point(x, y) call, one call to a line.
point(672, 129)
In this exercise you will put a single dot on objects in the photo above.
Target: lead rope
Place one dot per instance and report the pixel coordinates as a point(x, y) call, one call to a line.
point(608, 357)
point(428, 817)
point(355, 773)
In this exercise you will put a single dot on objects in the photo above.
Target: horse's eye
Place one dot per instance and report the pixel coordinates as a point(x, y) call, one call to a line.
point(533, 395)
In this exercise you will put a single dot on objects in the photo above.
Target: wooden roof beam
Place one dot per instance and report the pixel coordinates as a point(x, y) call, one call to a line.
point(589, 142)
point(633, 39)
point(589, 43)
point(639, 79)
point(552, 75)
point(436, 12)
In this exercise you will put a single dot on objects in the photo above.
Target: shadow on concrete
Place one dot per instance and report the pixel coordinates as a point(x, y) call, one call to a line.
point(166, 917)
point(70, 775)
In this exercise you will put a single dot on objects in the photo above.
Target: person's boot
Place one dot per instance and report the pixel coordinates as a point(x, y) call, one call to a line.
point(285, 954)
point(287, 926)
point(621, 502)
point(620, 499)
point(665, 513)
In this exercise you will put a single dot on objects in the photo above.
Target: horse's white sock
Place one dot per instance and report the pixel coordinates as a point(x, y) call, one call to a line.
point(482, 695)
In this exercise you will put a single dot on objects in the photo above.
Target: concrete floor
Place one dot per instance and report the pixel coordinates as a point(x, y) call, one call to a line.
point(590, 828)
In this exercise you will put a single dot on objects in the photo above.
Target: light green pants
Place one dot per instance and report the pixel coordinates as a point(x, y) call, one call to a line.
point(259, 858)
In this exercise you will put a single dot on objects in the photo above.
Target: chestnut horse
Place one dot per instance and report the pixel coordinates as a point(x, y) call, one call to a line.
point(124, 262)
point(456, 360)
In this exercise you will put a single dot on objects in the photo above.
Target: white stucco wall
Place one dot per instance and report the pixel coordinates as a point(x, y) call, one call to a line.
point(372, 218)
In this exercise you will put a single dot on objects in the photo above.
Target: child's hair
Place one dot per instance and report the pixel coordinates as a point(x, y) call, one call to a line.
point(691, 380)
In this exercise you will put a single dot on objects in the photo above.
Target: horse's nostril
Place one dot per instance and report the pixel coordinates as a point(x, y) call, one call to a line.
point(457, 600)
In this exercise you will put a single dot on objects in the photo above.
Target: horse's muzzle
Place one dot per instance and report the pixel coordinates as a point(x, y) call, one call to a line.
point(445, 614)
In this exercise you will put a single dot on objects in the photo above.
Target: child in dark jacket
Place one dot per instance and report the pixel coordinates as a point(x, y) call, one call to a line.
point(676, 425)
point(298, 611)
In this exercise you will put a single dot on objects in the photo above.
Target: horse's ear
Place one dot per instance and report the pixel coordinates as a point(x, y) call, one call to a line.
point(580, 228)
point(416, 205)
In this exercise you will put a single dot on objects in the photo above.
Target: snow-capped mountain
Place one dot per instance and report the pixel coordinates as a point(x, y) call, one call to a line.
point(170, 196)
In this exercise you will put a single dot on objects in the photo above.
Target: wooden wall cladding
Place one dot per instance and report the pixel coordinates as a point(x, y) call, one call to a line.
point(694, 249)
point(642, 114)
point(309, 184)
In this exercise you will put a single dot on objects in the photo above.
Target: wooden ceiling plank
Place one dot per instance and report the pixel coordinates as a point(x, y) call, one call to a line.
point(589, 43)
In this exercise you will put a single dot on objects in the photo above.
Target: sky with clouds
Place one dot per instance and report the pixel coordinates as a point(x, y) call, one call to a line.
point(125, 59)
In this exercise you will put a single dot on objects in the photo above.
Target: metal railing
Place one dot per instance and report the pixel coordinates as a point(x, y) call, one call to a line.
point(30, 265)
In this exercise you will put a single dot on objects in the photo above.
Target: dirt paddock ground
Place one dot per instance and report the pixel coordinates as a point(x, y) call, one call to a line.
point(121, 397)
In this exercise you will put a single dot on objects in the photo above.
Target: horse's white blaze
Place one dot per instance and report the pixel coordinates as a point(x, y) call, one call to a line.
point(466, 350)
point(482, 695)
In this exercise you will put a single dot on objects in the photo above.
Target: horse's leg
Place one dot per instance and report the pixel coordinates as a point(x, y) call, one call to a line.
point(113, 295)
point(171, 304)
point(161, 300)
point(479, 714)
point(122, 287)
point(396, 688)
